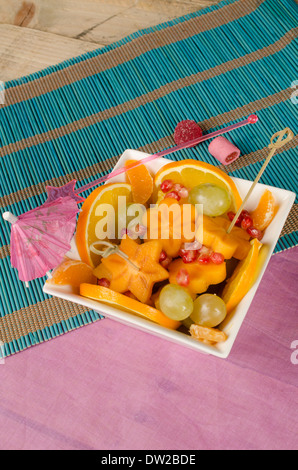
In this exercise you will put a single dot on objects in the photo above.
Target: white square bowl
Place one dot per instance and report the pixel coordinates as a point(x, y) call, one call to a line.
point(232, 323)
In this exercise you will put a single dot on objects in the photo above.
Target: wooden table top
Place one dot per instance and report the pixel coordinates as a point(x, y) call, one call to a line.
point(39, 33)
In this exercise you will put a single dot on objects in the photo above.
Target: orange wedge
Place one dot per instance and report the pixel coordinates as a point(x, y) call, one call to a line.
point(242, 278)
point(141, 182)
point(265, 211)
point(128, 304)
point(92, 217)
point(71, 272)
point(191, 173)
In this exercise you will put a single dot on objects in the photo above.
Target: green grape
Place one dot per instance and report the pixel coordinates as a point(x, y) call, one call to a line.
point(175, 302)
point(209, 310)
point(216, 200)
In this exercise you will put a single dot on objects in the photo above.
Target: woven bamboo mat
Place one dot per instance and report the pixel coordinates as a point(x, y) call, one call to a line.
point(74, 120)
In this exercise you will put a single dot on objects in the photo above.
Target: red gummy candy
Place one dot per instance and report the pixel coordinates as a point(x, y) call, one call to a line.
point(186, 131)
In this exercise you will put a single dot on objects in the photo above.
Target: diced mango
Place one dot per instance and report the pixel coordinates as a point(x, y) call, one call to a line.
point(201, 276)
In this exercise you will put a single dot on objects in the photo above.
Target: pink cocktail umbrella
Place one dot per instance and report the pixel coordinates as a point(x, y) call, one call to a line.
point(41, 237)
point(69, 188)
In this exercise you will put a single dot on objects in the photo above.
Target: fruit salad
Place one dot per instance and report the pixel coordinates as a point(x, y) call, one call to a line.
point(174, 261)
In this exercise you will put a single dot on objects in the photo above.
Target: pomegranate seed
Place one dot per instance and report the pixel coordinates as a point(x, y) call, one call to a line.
point(130, 294)
point(177, 187)
point(103, 282)
point(244, 213)
point(255, 233)
point(231, 216)
point(173, 195)
point(165, 263)
point(140, 230)
point(123, 232)
point(182, 278)
point(217, 258)
point(192, 246)
point(205, 251)
point(183, 193)
point(189, 256)
point(162, 256)
point(246, 222)
point(204, 259)
point(166, 186)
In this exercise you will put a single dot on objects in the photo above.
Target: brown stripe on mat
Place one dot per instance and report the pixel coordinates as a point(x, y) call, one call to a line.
point(37, 317)
point(4, 251)
point(291, 224)
point(156, 146)
point(131, 50)
point(150, 96)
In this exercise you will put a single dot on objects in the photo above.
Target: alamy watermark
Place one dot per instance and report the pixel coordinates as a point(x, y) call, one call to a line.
point(163, 221)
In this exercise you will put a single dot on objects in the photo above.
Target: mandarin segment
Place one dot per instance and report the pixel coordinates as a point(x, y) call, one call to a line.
point(141, 182)
point(73, 273)
point(263, 215)
point(208, 335)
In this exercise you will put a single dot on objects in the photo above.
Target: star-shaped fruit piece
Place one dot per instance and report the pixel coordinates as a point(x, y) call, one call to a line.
point(63, 191)
point(201, 276)
point(123, 276)
point(214, 235)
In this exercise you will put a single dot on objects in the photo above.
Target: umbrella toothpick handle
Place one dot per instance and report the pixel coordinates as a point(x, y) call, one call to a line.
point(278, 140)
point(110, 250)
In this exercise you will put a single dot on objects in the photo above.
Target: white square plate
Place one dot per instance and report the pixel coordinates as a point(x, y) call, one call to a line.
point(232, 324)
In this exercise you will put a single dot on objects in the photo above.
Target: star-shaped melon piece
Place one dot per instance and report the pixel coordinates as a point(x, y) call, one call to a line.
point(214, 235)
point(201, 276)
point(138, 279)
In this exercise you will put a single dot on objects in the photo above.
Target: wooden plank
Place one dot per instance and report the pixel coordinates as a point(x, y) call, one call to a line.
point(24, 51)
point(100, 21)
point(40, 33)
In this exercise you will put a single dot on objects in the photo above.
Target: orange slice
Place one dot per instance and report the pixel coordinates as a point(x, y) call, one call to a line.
point(71, 272)
point(242, 278)
point(141, 182)
point(93, 216)
point(191, 173)
point(265, 211)
point(128, 304)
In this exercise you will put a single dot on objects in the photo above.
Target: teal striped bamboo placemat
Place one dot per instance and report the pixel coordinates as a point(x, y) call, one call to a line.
point(74, 120)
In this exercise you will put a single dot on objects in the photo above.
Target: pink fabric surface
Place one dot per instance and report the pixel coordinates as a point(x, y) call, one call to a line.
point(107, 386)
